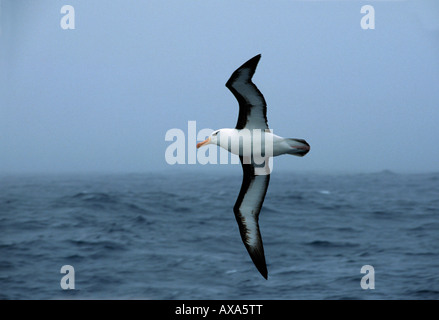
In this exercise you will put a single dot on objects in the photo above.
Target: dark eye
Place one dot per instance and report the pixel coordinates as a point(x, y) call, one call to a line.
point(215, 133)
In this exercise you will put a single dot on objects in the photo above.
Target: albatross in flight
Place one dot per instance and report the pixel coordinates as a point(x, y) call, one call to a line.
point(253, 142)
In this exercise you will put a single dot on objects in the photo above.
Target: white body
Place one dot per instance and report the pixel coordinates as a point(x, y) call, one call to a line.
point(255, 143)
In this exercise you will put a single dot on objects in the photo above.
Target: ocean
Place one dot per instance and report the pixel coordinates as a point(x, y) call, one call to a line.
point(174, 236)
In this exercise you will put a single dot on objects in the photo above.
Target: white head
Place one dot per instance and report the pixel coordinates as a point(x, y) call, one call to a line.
point(212, 139)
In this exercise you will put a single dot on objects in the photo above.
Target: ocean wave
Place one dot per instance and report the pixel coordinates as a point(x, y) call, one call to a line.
point(130, 237)
point(330, 244)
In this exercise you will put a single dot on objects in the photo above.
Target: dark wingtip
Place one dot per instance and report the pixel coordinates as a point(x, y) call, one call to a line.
point(263, 271)
point(258, 56)
point(252, 62)
point(258, 257)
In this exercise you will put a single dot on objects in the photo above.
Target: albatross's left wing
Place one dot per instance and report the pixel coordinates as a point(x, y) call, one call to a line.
point(247, 208)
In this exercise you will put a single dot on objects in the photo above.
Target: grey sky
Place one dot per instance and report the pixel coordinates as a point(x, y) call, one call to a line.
point(101, 97)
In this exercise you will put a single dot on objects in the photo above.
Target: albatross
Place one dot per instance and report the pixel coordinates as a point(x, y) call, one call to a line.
point(255, 144)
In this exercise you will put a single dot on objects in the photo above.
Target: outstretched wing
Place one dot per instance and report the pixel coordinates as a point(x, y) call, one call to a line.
point(252, 105)
point(247, 208)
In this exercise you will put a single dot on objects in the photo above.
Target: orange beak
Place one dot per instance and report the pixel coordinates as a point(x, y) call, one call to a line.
point(200, 144)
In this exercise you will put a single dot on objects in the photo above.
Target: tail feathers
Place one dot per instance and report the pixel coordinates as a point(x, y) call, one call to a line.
point(298, 147)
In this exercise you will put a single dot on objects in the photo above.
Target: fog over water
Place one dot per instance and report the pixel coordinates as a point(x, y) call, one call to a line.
point(101, 97)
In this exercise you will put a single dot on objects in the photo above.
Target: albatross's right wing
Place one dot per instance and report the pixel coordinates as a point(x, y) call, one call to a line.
point(252, 105)
point(247, 208)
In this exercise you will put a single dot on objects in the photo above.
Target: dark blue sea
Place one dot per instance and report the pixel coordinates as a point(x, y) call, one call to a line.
point(174, 236)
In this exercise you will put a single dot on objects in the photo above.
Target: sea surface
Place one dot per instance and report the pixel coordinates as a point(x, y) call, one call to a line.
point(174, 236)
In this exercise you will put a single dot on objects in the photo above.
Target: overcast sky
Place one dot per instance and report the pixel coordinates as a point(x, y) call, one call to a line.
point(101, 97)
